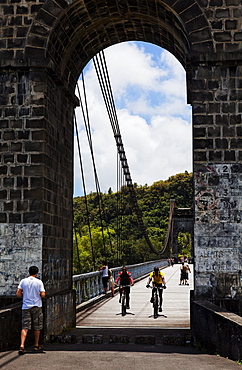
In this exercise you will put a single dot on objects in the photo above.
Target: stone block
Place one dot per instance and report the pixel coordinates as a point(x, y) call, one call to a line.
point(203, 143)
point(214, 131)
point(3, 170)
point(45, 18)
point(15, 194)
point(221, 144)
point(24, 111)
point(23, 135)
point(119, 339)
point(22, 182)
point(222, 36)
point(16, 170)
point(177, 340)
point(236, 143)
point(15, 218)
point(34, 146)
point(35, 8)
point(231, 24)
point(199, 132)
point(92, 339)
point(217, 25)
point(8, 182)
point(145, 339)
point(22, 31)
point(215, 155)
point(3, 147)
point(16, 147)
point(3, 124)
point(3, 217)
point(229, 155)
point(9, 135)
point(8, 9)
point(222, 13)
point(8, 206)
point(63, 338)
point(8, 158)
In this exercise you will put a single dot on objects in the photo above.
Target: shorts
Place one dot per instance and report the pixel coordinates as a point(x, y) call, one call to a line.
point(105, 281)
point(34, 314)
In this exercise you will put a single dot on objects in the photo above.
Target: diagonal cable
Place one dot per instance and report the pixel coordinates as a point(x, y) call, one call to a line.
point(105, 85)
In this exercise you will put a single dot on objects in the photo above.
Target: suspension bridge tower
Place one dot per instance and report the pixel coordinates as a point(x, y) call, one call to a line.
point(44, 47)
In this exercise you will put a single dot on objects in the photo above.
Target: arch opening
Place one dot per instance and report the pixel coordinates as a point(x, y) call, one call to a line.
point(155, 125)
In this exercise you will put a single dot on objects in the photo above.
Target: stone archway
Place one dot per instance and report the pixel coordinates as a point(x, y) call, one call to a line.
point(44, 47)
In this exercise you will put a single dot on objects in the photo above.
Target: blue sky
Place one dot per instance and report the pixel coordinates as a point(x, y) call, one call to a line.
point(149, 89)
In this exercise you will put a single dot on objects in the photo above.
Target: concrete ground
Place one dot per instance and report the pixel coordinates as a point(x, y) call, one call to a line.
point(105, 340)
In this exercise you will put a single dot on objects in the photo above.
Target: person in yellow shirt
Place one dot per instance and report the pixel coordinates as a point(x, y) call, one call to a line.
point(158, 279)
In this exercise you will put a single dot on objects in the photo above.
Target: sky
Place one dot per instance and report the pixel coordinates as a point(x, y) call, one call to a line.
point(149, 89)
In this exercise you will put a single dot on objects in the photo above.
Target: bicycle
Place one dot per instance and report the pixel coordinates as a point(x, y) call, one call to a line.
point(123, 299)
point(156, 298)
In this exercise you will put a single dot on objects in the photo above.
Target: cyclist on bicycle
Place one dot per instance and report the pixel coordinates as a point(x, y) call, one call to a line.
point(124, 278)
point(158, 280)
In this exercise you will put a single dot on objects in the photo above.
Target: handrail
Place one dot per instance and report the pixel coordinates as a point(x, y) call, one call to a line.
point(89, 285)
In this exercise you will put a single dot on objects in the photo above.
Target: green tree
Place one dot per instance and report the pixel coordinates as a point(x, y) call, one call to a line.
point(120, 224)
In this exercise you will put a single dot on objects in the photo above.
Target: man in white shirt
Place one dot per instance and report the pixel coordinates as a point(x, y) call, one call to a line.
point(32, 291)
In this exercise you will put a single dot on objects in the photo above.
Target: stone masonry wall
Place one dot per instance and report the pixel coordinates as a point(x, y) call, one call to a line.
point(217, 112)
point(36, 180)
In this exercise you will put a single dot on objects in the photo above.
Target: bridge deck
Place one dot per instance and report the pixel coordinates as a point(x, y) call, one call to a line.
point(176, 307)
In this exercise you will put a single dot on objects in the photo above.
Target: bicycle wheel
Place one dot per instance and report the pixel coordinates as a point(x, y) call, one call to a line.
point(123, 305)
point(155, 305)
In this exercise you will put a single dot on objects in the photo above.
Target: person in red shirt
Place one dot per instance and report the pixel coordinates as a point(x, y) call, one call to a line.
point(124, 278)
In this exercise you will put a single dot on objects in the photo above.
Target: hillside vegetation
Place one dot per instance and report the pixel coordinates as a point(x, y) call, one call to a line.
point(113, 226)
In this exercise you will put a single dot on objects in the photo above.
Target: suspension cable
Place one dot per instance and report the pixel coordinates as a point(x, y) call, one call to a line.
point(84, 190)
point(105, 85)
point(97, 183)
point(89, 137)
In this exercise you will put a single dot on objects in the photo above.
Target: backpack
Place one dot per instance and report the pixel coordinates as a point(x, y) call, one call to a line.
point(124, 279)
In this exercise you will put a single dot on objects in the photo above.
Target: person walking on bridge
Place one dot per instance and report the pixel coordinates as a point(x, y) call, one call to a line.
point(125, 279)
point(105, 276)
point(32, 291)
point(158, 279)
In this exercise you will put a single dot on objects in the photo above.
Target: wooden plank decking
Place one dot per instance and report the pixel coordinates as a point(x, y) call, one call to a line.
point(176, 306)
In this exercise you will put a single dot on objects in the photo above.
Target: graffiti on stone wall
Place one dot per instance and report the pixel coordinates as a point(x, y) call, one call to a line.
point(20, 247)
point(217, 259)
point(218, 194)
point(217, 228)
point(56, 273)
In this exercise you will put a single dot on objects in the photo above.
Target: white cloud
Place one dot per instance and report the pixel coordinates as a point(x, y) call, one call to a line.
point(150, 93)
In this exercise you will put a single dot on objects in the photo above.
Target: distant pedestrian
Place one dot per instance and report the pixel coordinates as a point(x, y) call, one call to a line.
point(111, 282)
point(187, 273)
point(32, 291)
point(104, 270)
point(182, 274)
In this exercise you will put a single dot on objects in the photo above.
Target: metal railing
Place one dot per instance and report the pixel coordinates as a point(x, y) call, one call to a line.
point(90, 285)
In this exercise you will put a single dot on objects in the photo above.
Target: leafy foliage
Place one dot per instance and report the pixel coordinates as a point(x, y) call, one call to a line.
point(114, 228)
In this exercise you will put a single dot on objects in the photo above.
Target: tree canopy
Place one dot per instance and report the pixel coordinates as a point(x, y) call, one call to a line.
point(105, 226)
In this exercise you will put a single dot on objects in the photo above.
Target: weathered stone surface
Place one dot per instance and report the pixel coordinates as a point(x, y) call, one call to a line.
point(21, 247)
